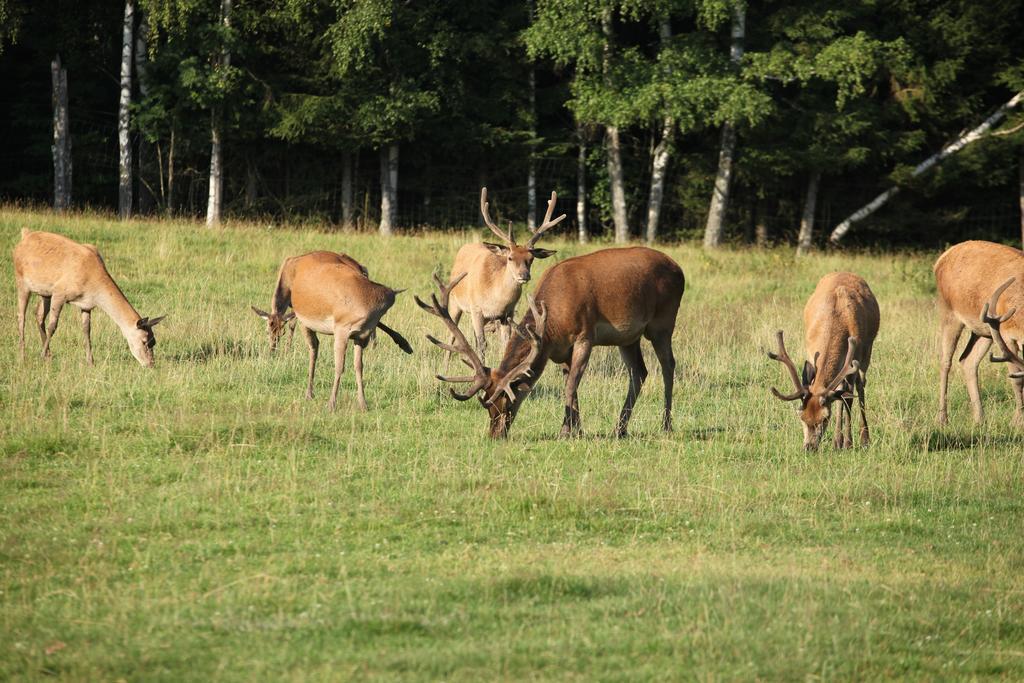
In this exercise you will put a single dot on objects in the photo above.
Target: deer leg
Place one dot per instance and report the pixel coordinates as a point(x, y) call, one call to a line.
point(634, 360)
point(23, 296)
point(969, 363)
point(837, 440)
point(357, 364)
point(87, 331)
point(580, 358)
point(1018, 399)
point(848, 421)
point(506, 333)
point(314, 346)
point(456, 317)
point(949, 333)
point(291, 332)
point(478, 332)
point(340, 346)
point(56, 304)
point(663, 349)
point(42, 310)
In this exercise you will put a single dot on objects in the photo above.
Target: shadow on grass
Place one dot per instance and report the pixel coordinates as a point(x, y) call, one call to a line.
point(228, 348)
point(937, 440)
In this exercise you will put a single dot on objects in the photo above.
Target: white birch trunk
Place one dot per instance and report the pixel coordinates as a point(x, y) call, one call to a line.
point(926, 165)
point(618, 185)
point(388, 189)
point(61, 137)
point(582, 231)
point(346, 189)
point(714, 229)
point(215, 199)
point(124, 189)
point(805, 242)
point(531, 177)
point(659, 168)
point(143, 164)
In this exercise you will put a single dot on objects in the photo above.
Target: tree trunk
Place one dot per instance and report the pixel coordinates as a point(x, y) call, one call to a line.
point(388, 189)
point(251, 184)
point(659, 167)
point(170, 174)
point(714, 229)
point(146, 195)
point(124, 189)
point(617, 182)
point(216, 197)
point(61, 137)
point(926, 165)
point(581, 188)
point(346, 189)
point(805, 242)
point(531, 177)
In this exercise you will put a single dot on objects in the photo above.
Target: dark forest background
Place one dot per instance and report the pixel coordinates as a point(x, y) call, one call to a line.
point(495, 93)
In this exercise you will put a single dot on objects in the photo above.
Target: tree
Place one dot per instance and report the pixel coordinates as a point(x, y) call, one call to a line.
point(125, 176)
point(61, 138)
point(216, 199)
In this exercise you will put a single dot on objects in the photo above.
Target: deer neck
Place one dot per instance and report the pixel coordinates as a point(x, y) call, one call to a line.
point(112, 301)
point(516, 352)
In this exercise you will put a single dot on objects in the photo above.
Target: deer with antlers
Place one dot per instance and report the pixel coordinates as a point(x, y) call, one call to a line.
point(495, 274)
point(840, 324)
point(333, 296)
point(279, 315)
point(61, 271)
point(967, 276)
point(611, 297)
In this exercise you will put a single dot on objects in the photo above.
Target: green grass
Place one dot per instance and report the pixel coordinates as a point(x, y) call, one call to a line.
point(203, 521)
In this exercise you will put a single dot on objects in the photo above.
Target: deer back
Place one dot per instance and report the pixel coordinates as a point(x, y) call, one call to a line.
point(842, 306)
point(325, 295)
point(966, 274)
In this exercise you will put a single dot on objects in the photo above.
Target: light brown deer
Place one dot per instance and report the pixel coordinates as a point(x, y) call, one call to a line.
point(279, 316)
point(61, 271)
point(335, 298)
point(966, 274)
point(611, 297)
point(495, 275)
point(840, 324)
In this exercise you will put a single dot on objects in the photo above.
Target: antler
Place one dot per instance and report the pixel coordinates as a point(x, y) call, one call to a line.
point(547, 224)
point(439, 307)
point(784, 358)
point(994, 322)
point(534, 337)
point(850, 366)
point(484, 209)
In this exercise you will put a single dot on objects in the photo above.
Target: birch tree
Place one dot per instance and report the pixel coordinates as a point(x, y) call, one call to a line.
point(61, 147)
point(216, 187)
point(714, 229)
point(125, 175)
point(662, 150)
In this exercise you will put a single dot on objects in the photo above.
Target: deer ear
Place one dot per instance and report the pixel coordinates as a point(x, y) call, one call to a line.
point(542, 253)
point(262, 314)
point(154, 321)
point(496, 248)
point(808, 374)
point(288, 316)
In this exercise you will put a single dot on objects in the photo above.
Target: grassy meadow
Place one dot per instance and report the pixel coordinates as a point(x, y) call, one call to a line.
point(203, 521)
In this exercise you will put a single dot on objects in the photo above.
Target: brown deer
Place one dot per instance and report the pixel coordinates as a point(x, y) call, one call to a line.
point(333, 297)
point(495, 275)
point(966, 274)
point(840, 324)
point(61, 271)
point(611, 297)
point(281, 301)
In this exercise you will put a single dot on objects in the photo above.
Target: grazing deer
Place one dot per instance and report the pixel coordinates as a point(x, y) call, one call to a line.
point(966, 275)
point(611, 297)
point(840, 323)
point(495, 275)
point(61, 271)
point(281, 301)
point(333, 297)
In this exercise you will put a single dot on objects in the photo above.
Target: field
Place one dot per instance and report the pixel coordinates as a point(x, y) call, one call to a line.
point(203, 521)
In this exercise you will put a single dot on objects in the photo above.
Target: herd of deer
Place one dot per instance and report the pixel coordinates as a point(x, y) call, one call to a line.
point(610, 297)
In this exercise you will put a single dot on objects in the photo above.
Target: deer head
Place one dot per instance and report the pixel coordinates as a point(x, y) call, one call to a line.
point(994, 323)
point(275, 324)
point(519, 258)
point(499, 391)
point(141, 340)
point(815, 398)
